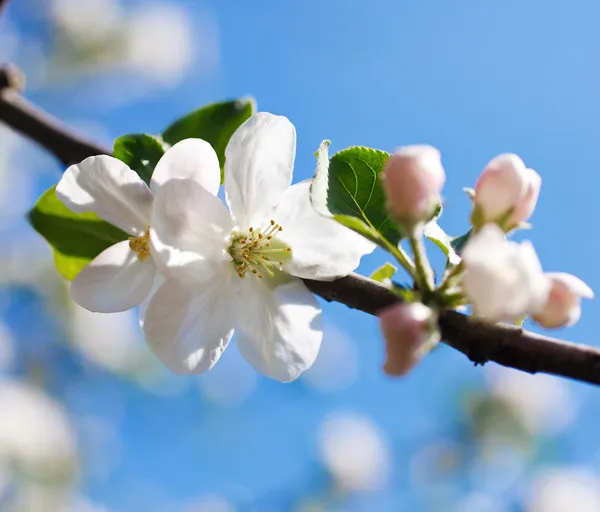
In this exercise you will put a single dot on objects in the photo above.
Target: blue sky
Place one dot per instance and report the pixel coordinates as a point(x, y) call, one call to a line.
point(473, 77)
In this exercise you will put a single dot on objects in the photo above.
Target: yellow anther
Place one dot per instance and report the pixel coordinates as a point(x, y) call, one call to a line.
point(258, 251)
point(141, 245)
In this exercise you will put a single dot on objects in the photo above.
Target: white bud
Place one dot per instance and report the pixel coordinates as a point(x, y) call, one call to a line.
point(506, 192)
point(563, 306)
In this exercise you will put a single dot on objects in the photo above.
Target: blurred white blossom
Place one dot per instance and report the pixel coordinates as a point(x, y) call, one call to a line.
point(111, 340)
point(45, 498)
point(35, 434)
point(87, 22)
point(159, 43)
point(16, 195)
point(153, 44)
point(354, 450)
point(569, 489)
point(543, 403)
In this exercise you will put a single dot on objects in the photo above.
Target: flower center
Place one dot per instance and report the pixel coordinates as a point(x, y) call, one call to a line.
point(259, 251)
point(141, 245)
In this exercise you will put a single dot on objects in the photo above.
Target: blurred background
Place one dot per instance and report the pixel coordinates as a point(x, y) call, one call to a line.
point(89, 421)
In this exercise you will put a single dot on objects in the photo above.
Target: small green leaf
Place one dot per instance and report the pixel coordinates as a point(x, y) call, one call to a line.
point(77, 238)
point(139, 151)
point(437, 235)
point(458, 242)
point(384, 273)
point(214, 123)
point(347, 188)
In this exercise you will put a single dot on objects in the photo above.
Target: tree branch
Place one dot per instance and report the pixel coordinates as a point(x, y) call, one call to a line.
point(37, 125)
point(479, 341)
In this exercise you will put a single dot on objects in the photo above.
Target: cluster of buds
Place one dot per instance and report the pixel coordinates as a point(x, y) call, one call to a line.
point(501, 279)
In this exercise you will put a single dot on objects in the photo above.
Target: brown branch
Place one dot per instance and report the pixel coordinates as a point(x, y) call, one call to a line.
point(479, 341)
point(34, 123)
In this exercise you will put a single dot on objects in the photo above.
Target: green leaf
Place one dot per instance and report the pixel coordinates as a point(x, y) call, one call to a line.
point(214, 123)
point(347, 187)
point(139, 151)
point(458, 242)
point(76, 238)
point(438, 236)
point(384, 273)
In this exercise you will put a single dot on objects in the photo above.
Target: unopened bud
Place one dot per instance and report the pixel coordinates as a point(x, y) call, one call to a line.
point(506, 192)
point(525, 207)
point(410, 332)
point(413, 178)
point(563, 306)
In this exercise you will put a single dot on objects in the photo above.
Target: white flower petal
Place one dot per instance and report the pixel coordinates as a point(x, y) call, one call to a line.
point(116, 280)
point(159, 280)
point(279, 329)
point(322, 248)
point(106, 186)
point(503, 280)
point(258, 167)
point(192, 159)
point(573, 283)
point(189, 330)
point(190, 230)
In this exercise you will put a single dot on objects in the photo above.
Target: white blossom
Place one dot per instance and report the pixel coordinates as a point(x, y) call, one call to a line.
point(240, 268)
point(503, 280)
point(122, 276)
point(563, 490)
point(35, 434)
point(354, 451)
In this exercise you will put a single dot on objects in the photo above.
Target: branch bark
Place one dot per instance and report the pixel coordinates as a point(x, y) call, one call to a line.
point(480, 341)
point(37, 125)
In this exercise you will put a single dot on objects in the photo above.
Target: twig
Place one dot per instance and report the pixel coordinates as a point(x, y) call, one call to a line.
point(479, 341)
point(34, 123)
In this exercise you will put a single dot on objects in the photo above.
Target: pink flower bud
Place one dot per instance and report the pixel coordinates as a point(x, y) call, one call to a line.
point(407, 328)
point(526, 206)
point(502, 188)
point(413, 178)
point(563, 306)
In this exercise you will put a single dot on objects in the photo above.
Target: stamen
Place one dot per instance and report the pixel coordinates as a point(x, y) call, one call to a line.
point(141, 245)
point(259, 251)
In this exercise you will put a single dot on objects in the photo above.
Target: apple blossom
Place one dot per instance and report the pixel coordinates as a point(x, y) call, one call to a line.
point(409, 329)
point(240, 268)
point(413, 178)
point(122, 276)
point(563, 306)
point(503, 280)
point(506, 192)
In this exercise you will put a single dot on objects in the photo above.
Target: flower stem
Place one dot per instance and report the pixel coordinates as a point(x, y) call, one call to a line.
point(454, 272)
point(424, 274)
point(402, 257)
